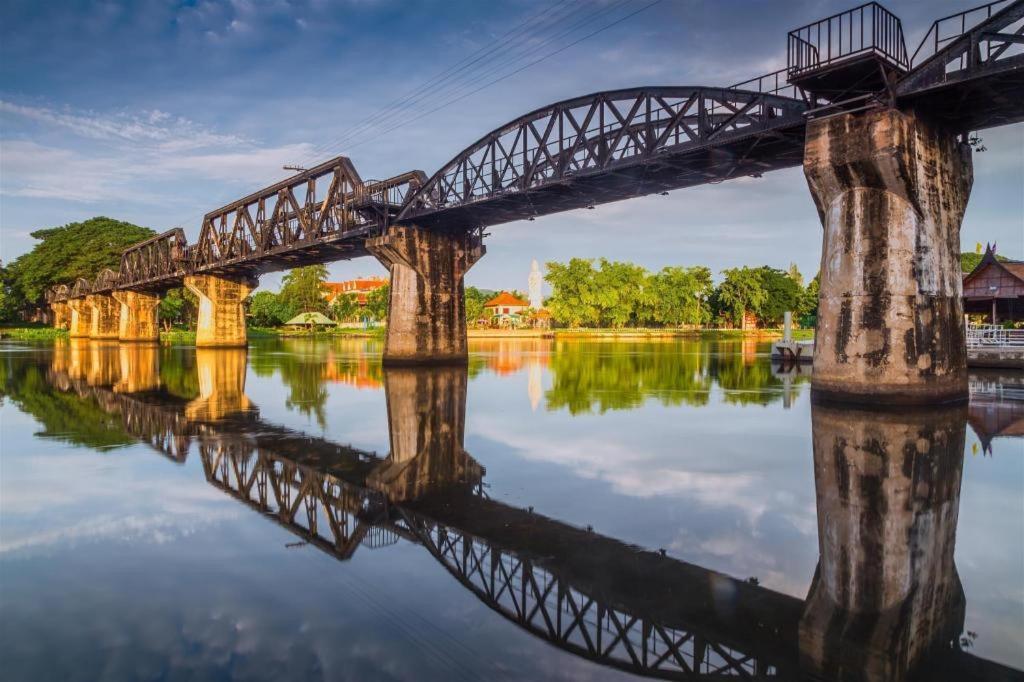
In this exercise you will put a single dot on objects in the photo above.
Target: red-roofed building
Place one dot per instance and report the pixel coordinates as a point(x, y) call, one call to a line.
point(505, 304)
point(995, 288)
point(359, 287)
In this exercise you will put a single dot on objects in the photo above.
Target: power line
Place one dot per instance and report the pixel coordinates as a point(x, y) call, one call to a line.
point(448, 73)
point(520, 69)
point(320, 148)
point(453, 90)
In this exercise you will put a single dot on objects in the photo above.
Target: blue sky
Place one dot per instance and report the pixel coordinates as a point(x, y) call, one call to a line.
point(156, 112)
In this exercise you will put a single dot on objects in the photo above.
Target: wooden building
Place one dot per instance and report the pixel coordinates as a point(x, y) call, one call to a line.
point(995, 289)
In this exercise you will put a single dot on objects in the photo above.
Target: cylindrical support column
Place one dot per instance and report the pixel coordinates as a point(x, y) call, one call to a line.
point(138, 316)
point(106, 314)
point(80, 319)
point(427, 310)
point(221, 320)
point(61, 314)
point(891, 190)
point(886, 592)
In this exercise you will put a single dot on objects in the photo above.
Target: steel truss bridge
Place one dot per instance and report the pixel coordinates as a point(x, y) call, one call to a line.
point(587, 594)
point(967, 74)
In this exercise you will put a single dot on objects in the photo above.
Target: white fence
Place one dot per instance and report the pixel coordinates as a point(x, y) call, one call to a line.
point(993, 336)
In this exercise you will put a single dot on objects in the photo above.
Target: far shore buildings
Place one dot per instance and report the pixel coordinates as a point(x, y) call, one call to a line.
point(995, 289)
point(359, 287)
point(505, 305)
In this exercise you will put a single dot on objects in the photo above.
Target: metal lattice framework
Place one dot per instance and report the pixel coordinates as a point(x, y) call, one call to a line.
point(609, 146)
point(969, 68)
point(154, 260)
point(82, 287)
point(314, 216)
point(544, 603)
point(318, 507)
point(105, 281)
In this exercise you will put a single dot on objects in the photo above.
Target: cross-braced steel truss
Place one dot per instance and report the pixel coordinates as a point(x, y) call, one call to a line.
point(626, 142)
point(541, 601)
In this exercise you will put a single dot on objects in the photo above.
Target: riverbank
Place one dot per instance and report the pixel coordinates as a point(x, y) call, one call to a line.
point(639, 333)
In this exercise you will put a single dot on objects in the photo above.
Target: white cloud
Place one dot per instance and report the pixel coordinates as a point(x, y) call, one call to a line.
point(141, 158)
point(154, 127)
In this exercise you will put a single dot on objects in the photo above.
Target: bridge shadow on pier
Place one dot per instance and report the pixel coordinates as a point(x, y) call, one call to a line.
point(885, 603)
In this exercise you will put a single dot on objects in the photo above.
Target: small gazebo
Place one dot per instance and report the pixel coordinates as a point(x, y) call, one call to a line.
point(995, 288)
point(309, 321)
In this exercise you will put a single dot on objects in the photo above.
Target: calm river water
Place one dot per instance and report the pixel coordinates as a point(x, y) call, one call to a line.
point(560, 511)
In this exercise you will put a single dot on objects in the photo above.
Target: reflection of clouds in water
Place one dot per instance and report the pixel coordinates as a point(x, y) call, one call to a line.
point(742, 515)
point(154, 528)
point(57, 501)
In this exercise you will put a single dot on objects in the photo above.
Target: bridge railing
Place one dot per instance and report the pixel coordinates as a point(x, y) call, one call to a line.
point(994, 336)
point(774, 83)
point(947, 29)
point(868, 29)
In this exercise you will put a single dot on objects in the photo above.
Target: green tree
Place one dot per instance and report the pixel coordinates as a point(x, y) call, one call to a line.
point(807, 310)
point(178, 308)
point(740, 291)
point(681, 295)
point(377, 303)
point(345, 308)
point(573, 299)
point(302, 289)
point(68, 252)
point(782, 293)
point(622, 294)
point(475, 299)
point(267, 309)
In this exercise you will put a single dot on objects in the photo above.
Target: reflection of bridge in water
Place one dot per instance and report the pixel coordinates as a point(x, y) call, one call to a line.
point(885, 598)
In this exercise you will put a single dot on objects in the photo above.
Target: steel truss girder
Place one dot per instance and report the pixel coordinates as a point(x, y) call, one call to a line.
point(635, 134)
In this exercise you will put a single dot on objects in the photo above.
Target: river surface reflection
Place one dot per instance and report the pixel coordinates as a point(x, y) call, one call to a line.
point(558, 510)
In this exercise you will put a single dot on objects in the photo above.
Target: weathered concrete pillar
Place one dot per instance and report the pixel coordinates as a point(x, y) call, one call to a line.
point(106, 314)
point(80, 321)
point(426, 423)
point(427, 310)
point(140, 367)
point(221, 384)
point(137, 319)
point(61, 314)
point(221, 320)
point(891, 190)
point(886, 592)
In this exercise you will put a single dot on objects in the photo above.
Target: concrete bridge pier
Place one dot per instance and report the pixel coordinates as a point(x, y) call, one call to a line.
point(137, 320)
point(221, 319)
point(891, 189)
point(427, 310)
point(886, 595)
point(106, 315)
point(61, 314)
point(426, 424)
point(79, 319)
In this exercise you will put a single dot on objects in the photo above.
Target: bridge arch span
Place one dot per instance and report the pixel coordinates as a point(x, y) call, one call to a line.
point(608, 146)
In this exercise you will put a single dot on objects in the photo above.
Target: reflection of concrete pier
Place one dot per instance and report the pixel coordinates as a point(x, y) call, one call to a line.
point(426, 417)
point(886, 594)
point(221, 384)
